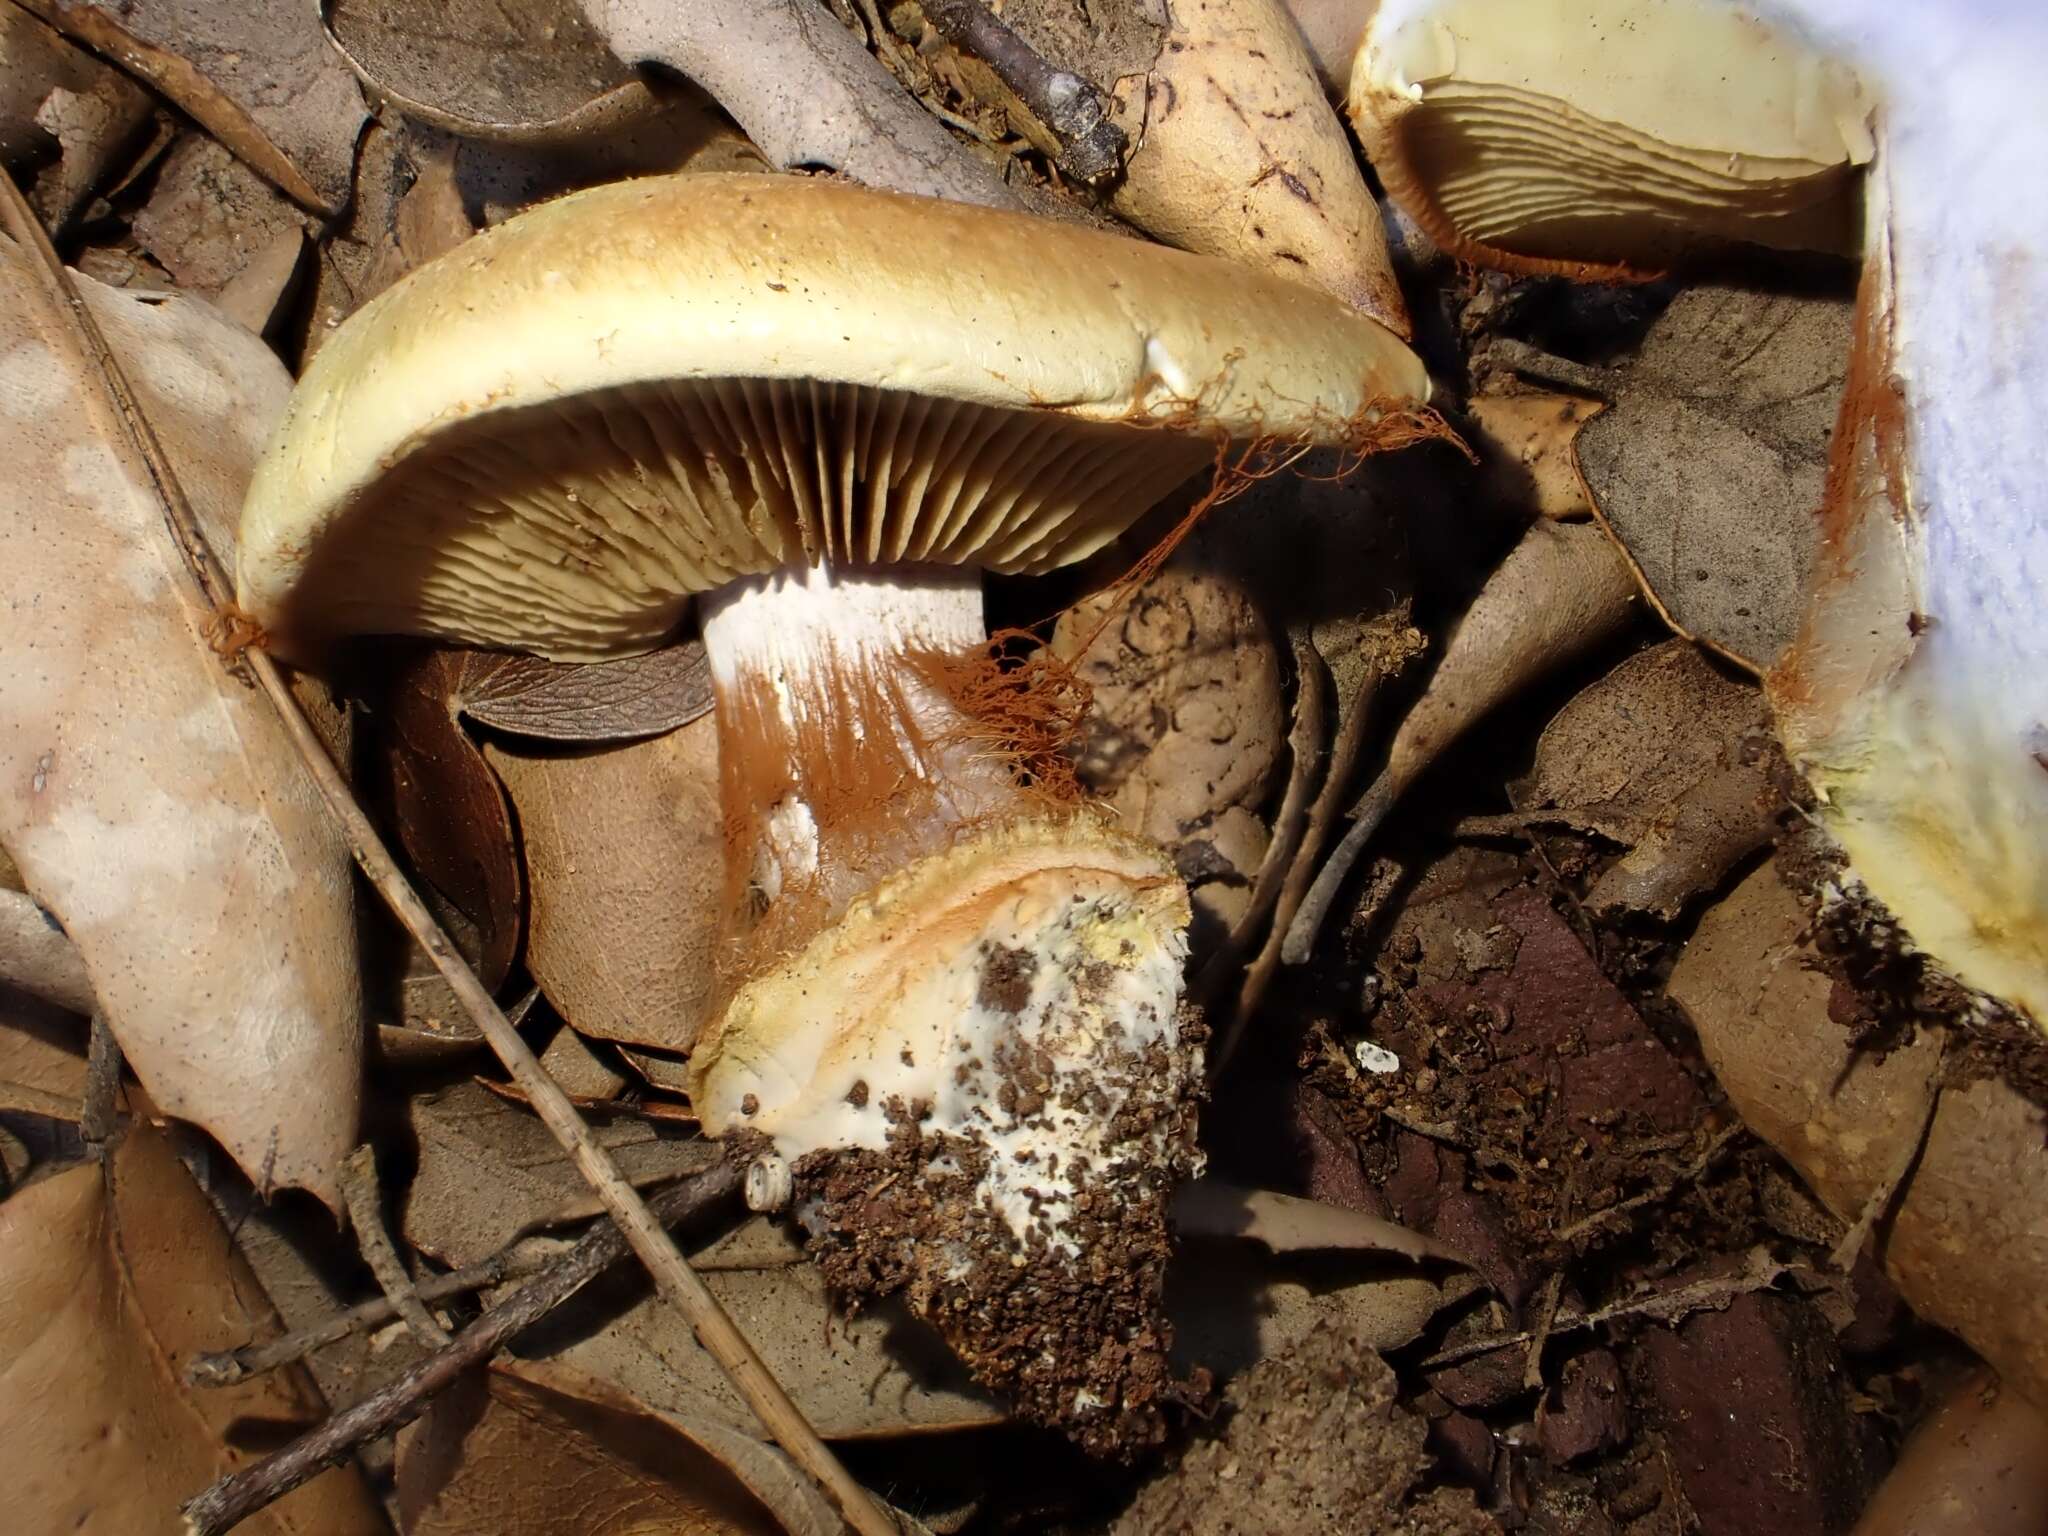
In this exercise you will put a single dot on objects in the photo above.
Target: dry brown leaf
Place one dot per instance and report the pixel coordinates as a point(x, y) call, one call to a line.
point(601, 701)
point(578, 1070)
point(261, 79)
point(625, 865)
point(871, 1375)
point(209, 218)
point(532, 73)
point(155, 806)
point(1709, 464)
point(114, 1280)
point(1967, 1237)
point(450, 812)
point(531, 1449)
point(488, 1171)
point(1669, 758)
point(65, 117)
point(42, 1057)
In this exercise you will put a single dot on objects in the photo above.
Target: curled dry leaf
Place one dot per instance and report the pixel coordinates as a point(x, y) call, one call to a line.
point(625, 864)
point(153, 803)
point(261, 79)
point(1561, 591)
point(1710, 461)
point(1669, 758)
point(65, 117)
point(114, 1279)
point(528, 1450)
point(623, 699)
point(450, 811)
point(1966, 1240)
point(1289, 1224)
point(531, 73)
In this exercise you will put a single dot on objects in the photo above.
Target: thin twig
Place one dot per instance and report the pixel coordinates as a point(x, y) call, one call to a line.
point(1663, 1191)
point(226, 1367)
point(97, 1120)
point(235, 1497)
point(673, 1277)
point(1670, 1306)
point(364, 1196)
point(1074, 109)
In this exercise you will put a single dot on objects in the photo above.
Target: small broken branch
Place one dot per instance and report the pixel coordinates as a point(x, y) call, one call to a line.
point(1672, 1306)
point(364, 1196)
point(236, 1497)
point(1663, 1191)
point(1073, 109)
point(97, 1117)
point(148, 464)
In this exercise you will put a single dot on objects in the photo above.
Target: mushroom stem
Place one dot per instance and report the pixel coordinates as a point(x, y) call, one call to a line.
point(839, 760)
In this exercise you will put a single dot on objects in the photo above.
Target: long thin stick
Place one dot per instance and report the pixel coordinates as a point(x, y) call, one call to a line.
point(672, 1273)
point(235, 1497)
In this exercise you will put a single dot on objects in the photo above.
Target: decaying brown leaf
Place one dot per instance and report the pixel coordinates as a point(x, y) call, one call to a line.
point(625, 868)
point(1966, 1240)
point(155, 806)
point(876, 1373)
point(450, 811)
point(65, 117)
point(115, 1278)
point(261, 79)
point(602, 701)
point(532, 73)
point(530, 1449)
point(489, 1171)
point(42, 1057)
point(1669, 758)
point(1709, 465)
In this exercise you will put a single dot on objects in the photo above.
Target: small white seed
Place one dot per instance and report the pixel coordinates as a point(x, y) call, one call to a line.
point(767, 1183)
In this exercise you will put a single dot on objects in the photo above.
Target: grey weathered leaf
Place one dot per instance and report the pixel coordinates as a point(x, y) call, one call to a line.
point(622, 700)
point(1709, 465)
point(530, 73)
point(1290, 1224)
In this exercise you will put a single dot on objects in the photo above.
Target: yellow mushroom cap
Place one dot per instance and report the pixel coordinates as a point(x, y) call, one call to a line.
point(553, 436)
point(1582, 136)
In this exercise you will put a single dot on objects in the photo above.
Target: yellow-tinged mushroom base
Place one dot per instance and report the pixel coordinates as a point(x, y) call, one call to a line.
point(985, 1082)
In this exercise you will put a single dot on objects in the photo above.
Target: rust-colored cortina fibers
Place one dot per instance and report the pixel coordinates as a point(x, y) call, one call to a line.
point(898, 761)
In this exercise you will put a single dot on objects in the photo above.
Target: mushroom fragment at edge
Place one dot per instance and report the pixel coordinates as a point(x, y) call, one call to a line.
point(821, 408)
point(1915, 698)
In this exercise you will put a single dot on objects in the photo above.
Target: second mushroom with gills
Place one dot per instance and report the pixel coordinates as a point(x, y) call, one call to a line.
point(952, 1000)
